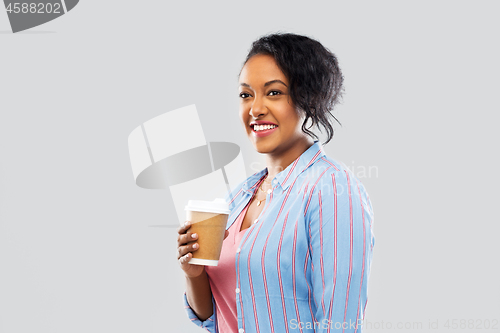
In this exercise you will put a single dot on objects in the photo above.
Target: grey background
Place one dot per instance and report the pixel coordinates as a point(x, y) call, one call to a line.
point(77, 250)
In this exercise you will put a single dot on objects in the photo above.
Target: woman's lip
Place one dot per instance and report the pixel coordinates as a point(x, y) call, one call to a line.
point(263, 133)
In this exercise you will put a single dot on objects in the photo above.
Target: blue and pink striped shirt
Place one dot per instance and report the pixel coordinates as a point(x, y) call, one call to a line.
point(304, 266)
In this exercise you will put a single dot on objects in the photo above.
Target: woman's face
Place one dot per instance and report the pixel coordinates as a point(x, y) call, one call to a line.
point(264, 99)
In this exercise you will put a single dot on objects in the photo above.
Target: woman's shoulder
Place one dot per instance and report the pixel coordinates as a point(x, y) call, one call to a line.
point(330, 179)
point(328, 172)
point(326, 167)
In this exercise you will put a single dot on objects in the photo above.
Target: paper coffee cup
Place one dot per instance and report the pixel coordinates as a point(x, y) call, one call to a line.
point(209, 219)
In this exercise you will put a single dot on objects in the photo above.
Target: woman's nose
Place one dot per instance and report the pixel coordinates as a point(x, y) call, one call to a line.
point(258, 108)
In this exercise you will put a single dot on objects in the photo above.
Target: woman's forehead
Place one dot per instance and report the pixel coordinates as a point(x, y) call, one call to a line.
point(260, 69)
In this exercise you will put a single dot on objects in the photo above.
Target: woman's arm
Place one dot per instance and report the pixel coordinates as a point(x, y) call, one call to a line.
point(341, 242)
point(199, 296)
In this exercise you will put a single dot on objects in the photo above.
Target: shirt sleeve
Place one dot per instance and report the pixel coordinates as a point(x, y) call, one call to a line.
point(340, 246)
point(208, 324)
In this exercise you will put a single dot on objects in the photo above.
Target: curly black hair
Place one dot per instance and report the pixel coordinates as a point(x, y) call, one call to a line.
point(315, 79)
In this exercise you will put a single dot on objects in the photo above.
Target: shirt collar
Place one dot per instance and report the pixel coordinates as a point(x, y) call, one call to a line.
point(287, 176)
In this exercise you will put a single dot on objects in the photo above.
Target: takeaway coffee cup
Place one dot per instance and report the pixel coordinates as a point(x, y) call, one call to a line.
point(209, 219)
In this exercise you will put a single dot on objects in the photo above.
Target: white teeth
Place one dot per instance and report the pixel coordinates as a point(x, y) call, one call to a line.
point(263, 127)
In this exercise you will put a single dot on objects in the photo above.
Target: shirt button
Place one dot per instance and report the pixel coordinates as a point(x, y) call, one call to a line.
point(241, 330)
point(237, 290)
point(275, 181)
point(238, 250)
point(255, 221)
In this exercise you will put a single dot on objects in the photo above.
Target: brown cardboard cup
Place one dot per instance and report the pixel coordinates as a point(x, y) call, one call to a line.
point(209, 219)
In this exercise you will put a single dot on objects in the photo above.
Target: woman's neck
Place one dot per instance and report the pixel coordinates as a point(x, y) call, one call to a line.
point(279, 162)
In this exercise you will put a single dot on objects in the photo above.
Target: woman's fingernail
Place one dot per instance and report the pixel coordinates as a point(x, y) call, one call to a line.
point(186, 223)
point(195, 245)
point(194, 235)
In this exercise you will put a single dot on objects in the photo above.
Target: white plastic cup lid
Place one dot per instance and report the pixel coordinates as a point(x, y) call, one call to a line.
point(219, 206)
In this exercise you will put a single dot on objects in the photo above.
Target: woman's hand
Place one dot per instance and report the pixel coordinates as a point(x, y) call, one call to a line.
point(185, 250)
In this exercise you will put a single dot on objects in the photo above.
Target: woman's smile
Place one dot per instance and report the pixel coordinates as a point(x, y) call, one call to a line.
point(262, 128)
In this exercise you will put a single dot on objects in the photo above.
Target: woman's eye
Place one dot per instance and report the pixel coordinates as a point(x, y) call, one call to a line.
point(274, 93)
point(244, 95)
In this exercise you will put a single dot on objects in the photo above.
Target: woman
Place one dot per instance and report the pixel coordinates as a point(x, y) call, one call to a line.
point(299, 240)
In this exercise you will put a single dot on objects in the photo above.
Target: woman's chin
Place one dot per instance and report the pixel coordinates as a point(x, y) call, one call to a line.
point(263, 148)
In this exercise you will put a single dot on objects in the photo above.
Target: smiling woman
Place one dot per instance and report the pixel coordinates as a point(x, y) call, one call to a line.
point(305, 255)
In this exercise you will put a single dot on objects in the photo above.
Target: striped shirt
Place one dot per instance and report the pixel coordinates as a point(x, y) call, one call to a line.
point(304, 265)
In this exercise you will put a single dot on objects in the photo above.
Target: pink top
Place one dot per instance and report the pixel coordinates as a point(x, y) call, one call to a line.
point(223, 278)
